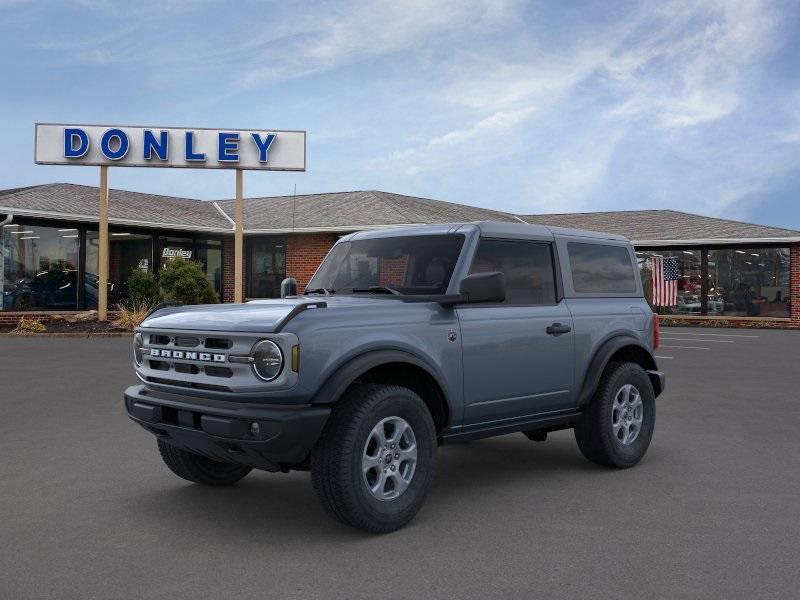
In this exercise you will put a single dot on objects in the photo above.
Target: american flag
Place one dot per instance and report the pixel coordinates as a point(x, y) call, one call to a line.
point(665, 281)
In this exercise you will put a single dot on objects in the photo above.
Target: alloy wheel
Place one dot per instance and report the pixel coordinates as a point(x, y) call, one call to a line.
point(389, 459)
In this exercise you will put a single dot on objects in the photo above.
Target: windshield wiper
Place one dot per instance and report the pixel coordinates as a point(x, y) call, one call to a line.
point(320, 290)
point(377, 289)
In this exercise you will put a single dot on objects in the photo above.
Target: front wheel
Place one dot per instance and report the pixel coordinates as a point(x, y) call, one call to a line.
point(374, 463)
point(617, 426)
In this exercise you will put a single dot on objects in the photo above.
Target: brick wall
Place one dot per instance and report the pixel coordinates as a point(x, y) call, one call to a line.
point(392, 271)
point(228, 270)
point(304, 252)
point(794, 283)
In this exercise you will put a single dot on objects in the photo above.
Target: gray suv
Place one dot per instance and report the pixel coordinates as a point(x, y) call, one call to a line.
point(405, 339)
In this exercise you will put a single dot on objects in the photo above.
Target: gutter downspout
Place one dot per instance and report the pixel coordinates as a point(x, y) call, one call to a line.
point(7, 220)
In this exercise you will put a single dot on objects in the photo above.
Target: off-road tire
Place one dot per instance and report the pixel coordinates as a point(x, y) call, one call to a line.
point(336, 467)
point(199, 469)
point(594, 431)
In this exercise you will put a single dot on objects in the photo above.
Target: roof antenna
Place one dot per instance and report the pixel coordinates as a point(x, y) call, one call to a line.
point(294, 203)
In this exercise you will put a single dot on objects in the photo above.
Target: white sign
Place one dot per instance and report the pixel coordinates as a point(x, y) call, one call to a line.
point(176, 253)
point(122, 146)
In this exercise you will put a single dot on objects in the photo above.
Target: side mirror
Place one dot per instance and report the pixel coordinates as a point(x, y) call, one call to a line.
point(483, 287)
point(288, 287)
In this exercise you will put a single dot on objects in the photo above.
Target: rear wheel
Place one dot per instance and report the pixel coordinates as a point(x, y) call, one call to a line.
point(374, 462)
point(199, 469)
point(617, 426)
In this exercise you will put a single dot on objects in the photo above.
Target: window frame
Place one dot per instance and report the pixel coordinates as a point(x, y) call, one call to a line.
point(554, 265)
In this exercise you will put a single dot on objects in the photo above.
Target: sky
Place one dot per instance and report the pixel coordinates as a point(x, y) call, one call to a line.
point(526, 107)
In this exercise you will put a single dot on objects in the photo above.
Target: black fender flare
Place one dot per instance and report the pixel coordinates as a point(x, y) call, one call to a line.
point(335, 385)
point(602, 357)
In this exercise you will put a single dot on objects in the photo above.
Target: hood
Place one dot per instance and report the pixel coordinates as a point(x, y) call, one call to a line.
point(260, 316)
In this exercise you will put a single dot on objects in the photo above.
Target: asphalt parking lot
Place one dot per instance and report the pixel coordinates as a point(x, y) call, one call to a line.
point(87, 510)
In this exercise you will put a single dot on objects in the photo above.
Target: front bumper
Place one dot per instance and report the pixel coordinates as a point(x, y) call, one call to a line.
point(224, 431)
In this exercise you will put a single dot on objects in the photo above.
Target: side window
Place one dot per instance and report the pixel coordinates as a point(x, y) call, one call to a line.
point(601, 269)
point(527, 267)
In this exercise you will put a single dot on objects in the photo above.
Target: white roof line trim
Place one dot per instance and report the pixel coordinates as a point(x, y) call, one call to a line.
point(92, 219)
point(717, 241)
point(337, 228)
point(224, 214)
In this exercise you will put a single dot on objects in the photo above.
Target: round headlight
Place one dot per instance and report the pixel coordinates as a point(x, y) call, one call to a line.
point(267, 360)
point(138, 347)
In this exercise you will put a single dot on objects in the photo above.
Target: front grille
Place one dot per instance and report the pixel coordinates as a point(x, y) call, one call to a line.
point(194, 359)
point(218, 371)
point(218, 344)
point(187, 368)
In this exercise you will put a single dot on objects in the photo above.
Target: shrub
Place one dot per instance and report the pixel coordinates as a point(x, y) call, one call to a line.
point(184, 281)
point(132, 314)
point(143, 288)
point(25, 325)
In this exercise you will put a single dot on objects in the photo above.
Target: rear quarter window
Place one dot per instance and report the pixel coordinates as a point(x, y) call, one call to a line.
point(601, 269)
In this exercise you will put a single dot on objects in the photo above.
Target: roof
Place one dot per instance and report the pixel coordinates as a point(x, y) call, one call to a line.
point(80, 203)
point(354, 210)
point(666, 227)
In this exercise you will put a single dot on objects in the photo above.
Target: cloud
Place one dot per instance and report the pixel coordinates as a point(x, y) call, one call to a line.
point(476, 143)
point(331, 38)
point(531, 106)
point(566, 108)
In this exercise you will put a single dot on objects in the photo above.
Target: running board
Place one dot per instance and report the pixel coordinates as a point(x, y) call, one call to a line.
point(550, 422)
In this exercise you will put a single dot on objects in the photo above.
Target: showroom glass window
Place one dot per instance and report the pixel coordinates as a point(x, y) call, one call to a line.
point(176, 247)
point(749, 282)
point(205, 252)
point(39, 268)
point(689, 283)
point(209, 255)
point(128, 251)
point(266, 266)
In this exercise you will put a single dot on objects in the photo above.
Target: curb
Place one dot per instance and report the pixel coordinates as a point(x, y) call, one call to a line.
point(120, 334)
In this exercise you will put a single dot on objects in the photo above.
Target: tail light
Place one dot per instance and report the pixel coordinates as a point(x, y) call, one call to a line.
point(656, 331)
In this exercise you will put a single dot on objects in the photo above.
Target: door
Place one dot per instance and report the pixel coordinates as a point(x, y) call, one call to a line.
point(266, 266)
point(517, 355)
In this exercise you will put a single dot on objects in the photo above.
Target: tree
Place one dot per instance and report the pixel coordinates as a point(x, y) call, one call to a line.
point(143, 288)
point(184, 281)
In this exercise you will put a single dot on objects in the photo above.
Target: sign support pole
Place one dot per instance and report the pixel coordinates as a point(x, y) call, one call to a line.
point(239, 240)
point(102, 257)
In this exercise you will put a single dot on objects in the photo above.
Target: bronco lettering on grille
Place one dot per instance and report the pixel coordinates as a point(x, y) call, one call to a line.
point(182, 354)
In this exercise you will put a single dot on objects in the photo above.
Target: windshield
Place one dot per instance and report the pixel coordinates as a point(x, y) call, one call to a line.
point(414, 264)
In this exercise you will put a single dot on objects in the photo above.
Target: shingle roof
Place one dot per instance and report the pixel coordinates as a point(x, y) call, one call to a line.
point(354, 210)
point(80, 202)
point(662, 225)
point(350, 211)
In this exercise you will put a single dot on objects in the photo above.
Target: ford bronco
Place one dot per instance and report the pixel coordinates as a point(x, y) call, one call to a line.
point(403, 340)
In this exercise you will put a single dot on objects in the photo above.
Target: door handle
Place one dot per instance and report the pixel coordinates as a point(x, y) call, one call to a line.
point(558, 329)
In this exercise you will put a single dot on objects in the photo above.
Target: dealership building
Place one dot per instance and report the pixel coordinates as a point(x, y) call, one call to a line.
point(726, 270)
